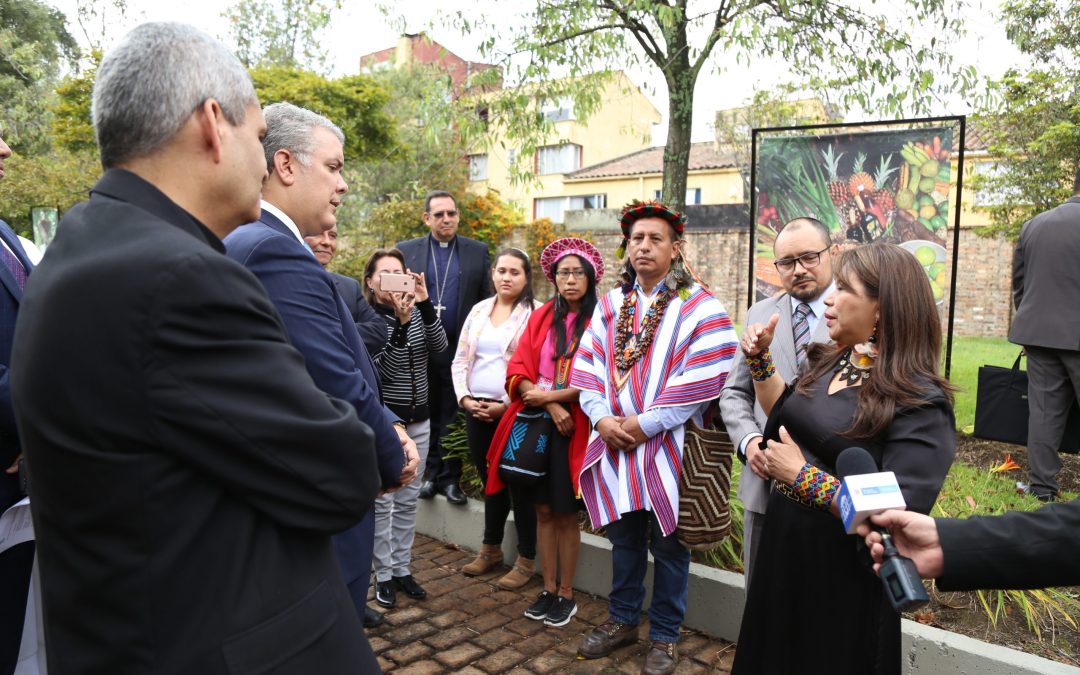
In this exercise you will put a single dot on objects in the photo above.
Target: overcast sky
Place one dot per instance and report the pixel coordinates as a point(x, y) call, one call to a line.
point(360, 28)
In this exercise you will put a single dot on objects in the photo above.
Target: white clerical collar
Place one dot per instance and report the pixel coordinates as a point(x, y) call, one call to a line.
point(442, 244)
point(285, 219)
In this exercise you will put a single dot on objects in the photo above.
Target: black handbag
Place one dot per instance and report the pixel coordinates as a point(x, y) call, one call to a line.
point(1001, 408)
point(524, 459)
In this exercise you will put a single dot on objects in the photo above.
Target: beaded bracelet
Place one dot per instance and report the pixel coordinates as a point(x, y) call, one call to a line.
point(761, 366)
point(815, 488)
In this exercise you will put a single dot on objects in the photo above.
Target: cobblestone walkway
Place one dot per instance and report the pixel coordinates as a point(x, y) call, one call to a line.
point(470, 625)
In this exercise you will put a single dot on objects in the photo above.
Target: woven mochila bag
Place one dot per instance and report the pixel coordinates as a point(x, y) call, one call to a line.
point(704, 497)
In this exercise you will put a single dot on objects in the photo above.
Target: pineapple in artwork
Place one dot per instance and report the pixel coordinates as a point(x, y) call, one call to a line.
point(860, 181)
point(838, 189)
point(883, 197)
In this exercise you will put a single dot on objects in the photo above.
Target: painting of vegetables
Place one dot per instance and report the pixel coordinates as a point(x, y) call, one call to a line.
point(869, 186)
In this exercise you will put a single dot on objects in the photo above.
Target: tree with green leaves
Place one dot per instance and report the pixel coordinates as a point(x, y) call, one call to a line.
point(427, 149)
point(356, 103)
point(286, 33)
point(56, 178)
point(34, 45)
point(880, 57)
point(1032, 123)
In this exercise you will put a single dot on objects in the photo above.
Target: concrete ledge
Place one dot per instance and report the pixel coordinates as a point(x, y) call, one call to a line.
point(716, 599)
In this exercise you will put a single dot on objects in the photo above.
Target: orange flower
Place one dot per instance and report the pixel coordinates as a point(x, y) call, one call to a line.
point(1007, 465)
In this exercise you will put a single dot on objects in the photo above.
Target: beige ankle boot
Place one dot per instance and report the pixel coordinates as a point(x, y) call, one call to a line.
point(489, 557)
point(519, 574)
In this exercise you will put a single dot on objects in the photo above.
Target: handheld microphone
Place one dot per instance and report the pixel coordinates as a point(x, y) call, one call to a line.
point(866, 491)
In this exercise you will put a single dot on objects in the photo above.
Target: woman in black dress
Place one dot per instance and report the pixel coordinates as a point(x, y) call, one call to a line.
point(819, 607)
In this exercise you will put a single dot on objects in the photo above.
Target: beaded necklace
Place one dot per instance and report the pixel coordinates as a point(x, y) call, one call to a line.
point(855, 365)
point(563, 365)
point(630, 346)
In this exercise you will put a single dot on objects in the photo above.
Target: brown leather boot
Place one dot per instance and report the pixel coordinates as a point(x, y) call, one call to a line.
point(489, 557)
point(661, 659)
point(519, 574)
point(606, 638)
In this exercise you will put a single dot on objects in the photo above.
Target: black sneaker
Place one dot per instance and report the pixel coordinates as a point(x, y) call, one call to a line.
point(384, 594)
point(561, 612)
point(411, 588)
point(540, 608)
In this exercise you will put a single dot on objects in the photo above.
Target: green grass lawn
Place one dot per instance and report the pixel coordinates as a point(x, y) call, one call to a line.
point(967, 355)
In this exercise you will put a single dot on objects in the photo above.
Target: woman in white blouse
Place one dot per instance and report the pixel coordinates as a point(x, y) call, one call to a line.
point(488, 339)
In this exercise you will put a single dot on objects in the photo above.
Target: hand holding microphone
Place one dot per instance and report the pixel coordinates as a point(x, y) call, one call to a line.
point(864, 493)
point(915, 536)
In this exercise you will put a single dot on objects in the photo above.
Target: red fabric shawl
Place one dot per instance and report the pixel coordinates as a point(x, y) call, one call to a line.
point(525, 364)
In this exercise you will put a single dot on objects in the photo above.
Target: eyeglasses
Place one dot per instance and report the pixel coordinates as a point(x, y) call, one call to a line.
point(566, 274)
point(449, 214)
point(808, 260)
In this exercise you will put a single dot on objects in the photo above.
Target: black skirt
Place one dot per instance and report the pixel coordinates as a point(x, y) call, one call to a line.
point(815, 605)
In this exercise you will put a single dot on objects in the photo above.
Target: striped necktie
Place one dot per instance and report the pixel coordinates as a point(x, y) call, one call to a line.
point(14, 265)
point(801, 330)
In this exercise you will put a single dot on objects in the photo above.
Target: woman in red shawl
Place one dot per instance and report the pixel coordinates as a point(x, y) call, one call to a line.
point(538, 376)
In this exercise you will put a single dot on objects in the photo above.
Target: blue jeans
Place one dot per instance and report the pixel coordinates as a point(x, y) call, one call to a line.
point(632, 537)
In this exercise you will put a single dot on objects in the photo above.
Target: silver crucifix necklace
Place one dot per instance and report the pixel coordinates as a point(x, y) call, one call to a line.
point(440, 285)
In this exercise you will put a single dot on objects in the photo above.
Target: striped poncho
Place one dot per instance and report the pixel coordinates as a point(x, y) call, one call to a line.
point(686, 364)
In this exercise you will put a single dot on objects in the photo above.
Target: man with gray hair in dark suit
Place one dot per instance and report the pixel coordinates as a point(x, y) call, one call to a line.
point(188, 474)
point(1046, 292)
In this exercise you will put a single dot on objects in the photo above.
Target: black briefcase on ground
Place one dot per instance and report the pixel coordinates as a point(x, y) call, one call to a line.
point(1001, 408)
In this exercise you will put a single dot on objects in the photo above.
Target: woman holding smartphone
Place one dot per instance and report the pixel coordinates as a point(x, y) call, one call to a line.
point(489, 337)
point(413, 331)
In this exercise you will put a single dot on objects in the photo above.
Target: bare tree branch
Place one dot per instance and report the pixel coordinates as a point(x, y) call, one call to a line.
point(640, 32)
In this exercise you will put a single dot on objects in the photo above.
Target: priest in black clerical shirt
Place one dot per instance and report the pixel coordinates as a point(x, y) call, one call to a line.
point(458, 276)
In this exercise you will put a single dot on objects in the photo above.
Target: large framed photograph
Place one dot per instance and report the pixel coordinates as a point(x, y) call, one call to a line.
point(895, 181)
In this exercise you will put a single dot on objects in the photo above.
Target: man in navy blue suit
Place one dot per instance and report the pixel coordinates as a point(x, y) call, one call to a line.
point(15, 563)
point(304, 157)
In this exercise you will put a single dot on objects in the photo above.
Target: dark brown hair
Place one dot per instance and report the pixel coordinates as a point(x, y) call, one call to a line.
point(435, 194)
point(369, 269)
point(527, 294)
point(908, 338)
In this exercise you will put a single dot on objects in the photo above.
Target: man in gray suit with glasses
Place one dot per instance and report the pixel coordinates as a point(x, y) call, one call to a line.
point(803, 252)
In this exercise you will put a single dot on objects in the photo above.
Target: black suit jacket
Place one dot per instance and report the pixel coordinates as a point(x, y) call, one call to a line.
point(370, 325)
point(1019, 549)
point(475, 284)
point(188, 474)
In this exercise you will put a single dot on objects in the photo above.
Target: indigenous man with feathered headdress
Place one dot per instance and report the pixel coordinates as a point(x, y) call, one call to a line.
point(656, 354)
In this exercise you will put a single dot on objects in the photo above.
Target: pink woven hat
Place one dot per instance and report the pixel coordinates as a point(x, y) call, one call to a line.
point(560, 248)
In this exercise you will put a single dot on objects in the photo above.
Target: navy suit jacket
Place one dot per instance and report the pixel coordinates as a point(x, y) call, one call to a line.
point(321, 328)
point(369, 324)
point(10, 297)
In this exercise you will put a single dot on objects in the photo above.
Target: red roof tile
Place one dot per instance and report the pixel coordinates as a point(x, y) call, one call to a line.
point(651, 161)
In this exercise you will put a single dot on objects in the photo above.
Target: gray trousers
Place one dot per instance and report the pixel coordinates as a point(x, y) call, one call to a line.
point(753, 524)
point(1053, 385)
point(395, 515)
